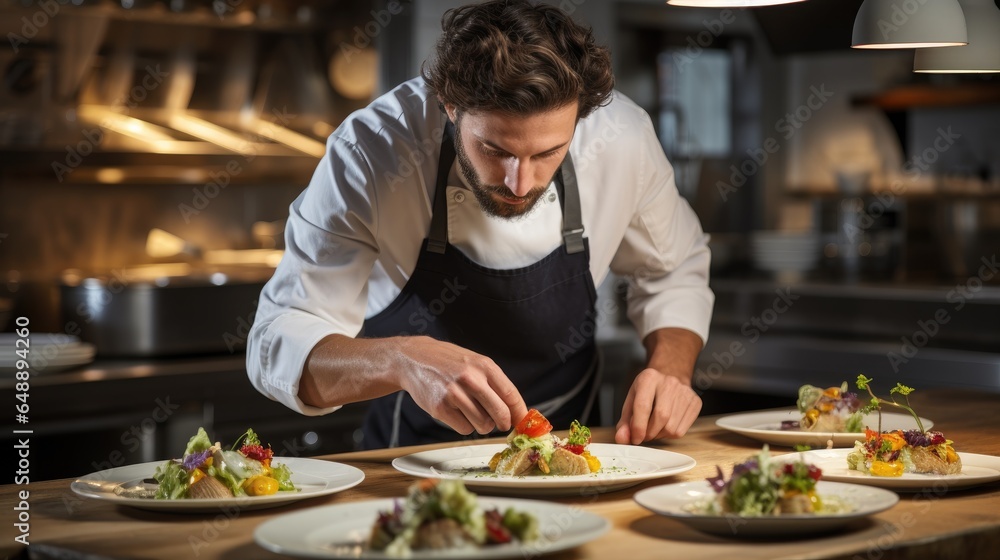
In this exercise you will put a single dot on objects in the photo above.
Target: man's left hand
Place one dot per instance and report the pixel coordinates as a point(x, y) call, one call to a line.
point(657, 406)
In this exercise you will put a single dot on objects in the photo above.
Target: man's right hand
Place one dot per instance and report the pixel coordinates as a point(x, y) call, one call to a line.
point(465, 390)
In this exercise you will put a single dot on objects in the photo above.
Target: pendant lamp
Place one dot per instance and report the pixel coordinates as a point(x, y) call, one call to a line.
point(981, 55)
point(729, 3)
point(908, 24)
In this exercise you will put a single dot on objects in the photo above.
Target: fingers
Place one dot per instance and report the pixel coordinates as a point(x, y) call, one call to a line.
point(484, 394)
point(506, 406)
point(656, 407)
point(456, 420)
point(623, 434)
point(679, 423)
point(642, 406)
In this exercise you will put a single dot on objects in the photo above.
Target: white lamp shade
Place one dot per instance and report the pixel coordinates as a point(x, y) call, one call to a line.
point(907, 24)
point(981, 55)
point(729, 3)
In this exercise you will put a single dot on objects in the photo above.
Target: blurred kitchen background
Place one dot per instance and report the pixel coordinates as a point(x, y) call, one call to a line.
point(149, 150)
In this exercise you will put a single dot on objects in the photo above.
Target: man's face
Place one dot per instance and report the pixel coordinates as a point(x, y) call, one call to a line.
point(510, 160)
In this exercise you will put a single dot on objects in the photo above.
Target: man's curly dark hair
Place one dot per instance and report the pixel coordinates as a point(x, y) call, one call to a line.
point(518, 57)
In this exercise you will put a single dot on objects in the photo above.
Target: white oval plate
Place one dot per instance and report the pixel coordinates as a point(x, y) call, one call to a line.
point(976, 469)
point(342, 531)
point(765, 426)
point(670, 500)
point(621, 466)
point(313, 478)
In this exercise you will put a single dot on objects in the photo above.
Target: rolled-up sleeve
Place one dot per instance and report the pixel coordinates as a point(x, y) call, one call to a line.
point(664, 254)
point(320, 286)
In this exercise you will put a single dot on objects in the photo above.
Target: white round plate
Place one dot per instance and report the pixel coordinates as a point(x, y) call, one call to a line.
point(342, 531)
point(672, 500)
point(976, 470)
point(765, 426)
point(44, 358)
point(621, 466)
point(312, 477)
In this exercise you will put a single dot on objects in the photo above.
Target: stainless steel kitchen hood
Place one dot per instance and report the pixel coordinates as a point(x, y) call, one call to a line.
point(167, 92)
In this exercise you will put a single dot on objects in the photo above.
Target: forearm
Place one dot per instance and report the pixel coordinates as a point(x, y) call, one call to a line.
point(673, 351)
point(342, 370)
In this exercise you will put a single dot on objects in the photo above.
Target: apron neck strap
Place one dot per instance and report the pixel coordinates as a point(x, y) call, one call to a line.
point(569, 194)
point(566, 186)
point(438, 239)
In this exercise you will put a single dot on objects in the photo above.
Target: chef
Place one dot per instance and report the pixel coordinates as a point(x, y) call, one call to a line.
point(442, 262)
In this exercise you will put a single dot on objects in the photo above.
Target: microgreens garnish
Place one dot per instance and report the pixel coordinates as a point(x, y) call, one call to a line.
point(248, 437)
point(876, 403)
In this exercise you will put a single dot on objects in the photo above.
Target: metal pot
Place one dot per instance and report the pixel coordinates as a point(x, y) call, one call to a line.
point(144, 315)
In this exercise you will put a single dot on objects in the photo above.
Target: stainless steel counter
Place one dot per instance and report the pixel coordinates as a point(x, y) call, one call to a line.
point(769, 338)
point(116, 412)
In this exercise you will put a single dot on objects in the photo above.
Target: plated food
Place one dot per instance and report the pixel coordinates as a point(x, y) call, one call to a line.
point(676, 501)
point(442, 515)
point(977, 470)
point(533, 449)
point(344, 530)
point(761, 486)
point(766, 497)
point(206, 470)
point(765, 427)
point(893, 453)
point(621, 466)
point(134, 486)
point(830, 417)
point(834, 409)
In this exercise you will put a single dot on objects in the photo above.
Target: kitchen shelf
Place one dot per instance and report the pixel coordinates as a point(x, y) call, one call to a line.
point(924, 95)
point(200, 17)
point(818, 193)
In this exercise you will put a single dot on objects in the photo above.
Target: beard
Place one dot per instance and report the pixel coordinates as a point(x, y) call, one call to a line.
point(486, 194)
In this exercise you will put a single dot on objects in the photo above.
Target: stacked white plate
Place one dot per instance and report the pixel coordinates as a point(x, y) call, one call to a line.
point(785, 252)
point(46, 352)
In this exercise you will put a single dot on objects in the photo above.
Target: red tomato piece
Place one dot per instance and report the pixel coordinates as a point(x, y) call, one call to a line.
point(534, 424)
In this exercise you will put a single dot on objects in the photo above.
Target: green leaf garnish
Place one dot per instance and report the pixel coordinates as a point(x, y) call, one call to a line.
point(876, 403)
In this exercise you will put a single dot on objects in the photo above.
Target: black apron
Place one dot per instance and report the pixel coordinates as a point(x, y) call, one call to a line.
point(537, 323)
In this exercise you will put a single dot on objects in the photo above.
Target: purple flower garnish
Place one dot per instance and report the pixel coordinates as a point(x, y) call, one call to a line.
point(916, 438)
point(194, 460)
point(850, 401)
point(748, 466)
point(718, 481)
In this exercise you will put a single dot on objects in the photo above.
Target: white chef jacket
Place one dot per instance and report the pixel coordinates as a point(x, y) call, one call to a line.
point(353, 236)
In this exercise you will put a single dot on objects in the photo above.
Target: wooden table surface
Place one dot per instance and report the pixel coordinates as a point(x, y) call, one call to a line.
point(952, 524)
